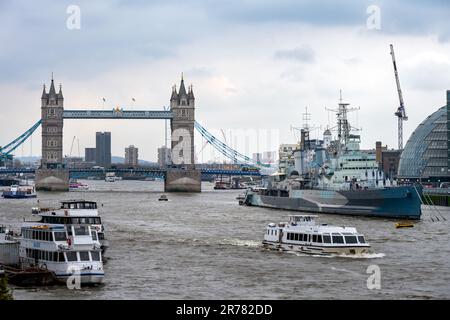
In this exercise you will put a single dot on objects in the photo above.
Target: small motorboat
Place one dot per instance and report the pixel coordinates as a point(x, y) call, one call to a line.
point(163, 198)
point(399, 225)
point(241, 199)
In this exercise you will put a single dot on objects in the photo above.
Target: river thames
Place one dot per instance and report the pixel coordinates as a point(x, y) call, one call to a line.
point(206, 246)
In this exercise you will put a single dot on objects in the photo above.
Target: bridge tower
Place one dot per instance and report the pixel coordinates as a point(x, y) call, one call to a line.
point(182, 175)
point(52, 175)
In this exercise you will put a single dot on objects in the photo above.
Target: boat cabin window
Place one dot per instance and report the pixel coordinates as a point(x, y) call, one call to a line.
point(60, 236)
point(350, 239)
point(314, 238)
point(94, 236)
point(71, 256)
point(361, 239)
point(318, 239)
point(79, 205)
point(81, 231)
point(84, 256)
point(101, 236)
point(44, 255)
point(95, 255)
point(337, 238)
point(326, 238)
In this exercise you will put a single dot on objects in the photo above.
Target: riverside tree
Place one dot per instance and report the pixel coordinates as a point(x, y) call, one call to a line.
point(5, 292)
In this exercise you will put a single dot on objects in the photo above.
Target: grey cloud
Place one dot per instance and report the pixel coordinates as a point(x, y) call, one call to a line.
point(302, 54)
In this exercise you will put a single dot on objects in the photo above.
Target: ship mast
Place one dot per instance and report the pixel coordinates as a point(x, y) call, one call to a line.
point(343, 127)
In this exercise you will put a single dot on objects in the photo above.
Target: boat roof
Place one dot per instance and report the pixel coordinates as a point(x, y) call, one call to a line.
point(303, 215)
point(77, 201)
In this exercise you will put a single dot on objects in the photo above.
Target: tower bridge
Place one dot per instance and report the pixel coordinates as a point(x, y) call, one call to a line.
point(182, 176)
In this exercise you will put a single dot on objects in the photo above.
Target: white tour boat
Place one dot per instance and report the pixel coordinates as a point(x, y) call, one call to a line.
point(65, 250)
point(302, 234)
point(75, 212)
point(19, 192)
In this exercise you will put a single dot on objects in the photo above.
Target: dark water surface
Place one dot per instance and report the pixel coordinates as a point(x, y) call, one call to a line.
point(206, 246)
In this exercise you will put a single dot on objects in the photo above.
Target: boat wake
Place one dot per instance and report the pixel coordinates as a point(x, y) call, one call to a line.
point(355, 256)
point(345, 256)
point(241, 243)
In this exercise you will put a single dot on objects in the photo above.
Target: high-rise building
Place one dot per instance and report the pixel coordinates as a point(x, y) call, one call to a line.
point(131, 156)
point(103, 149)
point(89, 154)
point(286, 156)
point(257, 157)
point(269, 157)
point(164, 156)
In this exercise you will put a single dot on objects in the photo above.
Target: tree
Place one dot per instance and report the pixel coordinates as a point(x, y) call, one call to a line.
point(5, 292)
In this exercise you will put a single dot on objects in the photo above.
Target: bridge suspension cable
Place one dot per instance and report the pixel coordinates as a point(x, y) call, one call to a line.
point(225, 149)
point(13, 145)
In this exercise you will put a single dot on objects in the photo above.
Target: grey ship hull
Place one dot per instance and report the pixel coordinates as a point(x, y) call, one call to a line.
point(392, 202)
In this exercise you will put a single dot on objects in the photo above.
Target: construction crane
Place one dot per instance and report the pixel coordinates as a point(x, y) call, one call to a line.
point(401, 112)
point(71, 146)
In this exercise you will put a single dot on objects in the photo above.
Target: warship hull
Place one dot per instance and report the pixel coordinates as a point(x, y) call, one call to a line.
point(391, 202)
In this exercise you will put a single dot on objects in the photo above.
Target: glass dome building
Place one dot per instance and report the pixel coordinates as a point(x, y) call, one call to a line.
point(426, 154)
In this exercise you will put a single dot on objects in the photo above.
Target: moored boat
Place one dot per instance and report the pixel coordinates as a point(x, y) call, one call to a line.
point(302, 234)
point(75, 212)
point(69, 251)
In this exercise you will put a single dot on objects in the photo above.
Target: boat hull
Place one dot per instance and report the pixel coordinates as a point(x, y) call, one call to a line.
point(394, 202)
point(9, 195)
point(85, 278)
point(317, 250)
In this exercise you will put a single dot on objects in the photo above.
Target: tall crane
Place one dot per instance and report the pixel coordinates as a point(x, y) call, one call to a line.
point(401, 112)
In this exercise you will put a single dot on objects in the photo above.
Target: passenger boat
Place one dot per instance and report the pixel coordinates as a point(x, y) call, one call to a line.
point(65, 250)
point(75, 185)
point(19, 192)
point(75, 212)
point(302, 234)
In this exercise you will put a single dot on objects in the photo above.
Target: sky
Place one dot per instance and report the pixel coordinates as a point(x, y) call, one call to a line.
point(254, 66)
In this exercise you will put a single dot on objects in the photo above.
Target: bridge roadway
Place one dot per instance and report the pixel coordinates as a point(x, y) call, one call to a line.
point(118, 113)
point(156, 171)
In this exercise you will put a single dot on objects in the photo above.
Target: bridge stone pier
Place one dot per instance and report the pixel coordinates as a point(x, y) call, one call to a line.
point(52, 176)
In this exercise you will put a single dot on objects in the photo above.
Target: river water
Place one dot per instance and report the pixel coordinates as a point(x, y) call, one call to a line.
point(206, 246)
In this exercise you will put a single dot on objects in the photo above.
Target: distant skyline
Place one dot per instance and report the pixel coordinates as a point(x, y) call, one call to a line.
point(254, 65)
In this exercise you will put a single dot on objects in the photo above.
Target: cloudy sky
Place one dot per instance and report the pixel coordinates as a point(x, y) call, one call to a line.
point(255, 66)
